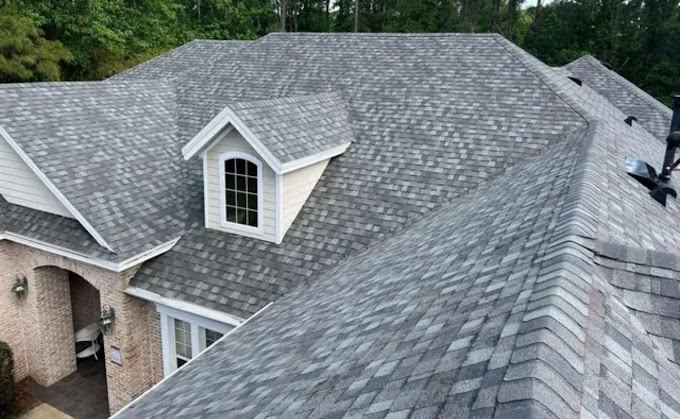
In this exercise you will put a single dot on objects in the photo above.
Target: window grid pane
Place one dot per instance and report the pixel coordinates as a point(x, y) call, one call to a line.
point(241, 192)
point(211, 337)
point(183, 339)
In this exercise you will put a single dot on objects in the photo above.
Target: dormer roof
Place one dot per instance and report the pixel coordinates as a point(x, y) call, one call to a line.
point(289, 133)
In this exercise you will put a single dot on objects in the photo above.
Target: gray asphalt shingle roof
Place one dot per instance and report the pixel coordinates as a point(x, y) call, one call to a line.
point(499, 304)
point(470, 254)
point(433, 116)
point(507, 301)
point(50, 228)
point(111, 149)
point(296, 127)
point(182, 61)
point(623, 94)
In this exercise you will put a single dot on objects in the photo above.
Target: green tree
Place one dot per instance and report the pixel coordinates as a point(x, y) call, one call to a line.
point(25, 54)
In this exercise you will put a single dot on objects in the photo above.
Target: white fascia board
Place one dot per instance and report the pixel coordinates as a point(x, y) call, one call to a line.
point(79, 257)
point(57, 193)
point(227, 117)
point(195, 309)
point(291, 166)
point(279, 209)
point(212, 348)
point(223, 119)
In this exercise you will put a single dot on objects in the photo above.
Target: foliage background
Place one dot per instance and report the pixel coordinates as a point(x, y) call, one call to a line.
point(94, 39)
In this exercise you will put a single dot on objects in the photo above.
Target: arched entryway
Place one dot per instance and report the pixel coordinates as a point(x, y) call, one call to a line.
point(65, 346)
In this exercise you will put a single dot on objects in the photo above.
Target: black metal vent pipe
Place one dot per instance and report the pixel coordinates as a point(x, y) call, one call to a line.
point(672, 142)
point(675, 122)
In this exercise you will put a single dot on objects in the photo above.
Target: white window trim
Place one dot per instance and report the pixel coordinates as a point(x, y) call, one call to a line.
point(198, 324)
point(223, 196)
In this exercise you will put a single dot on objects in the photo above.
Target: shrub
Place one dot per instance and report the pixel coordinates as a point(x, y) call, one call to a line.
point(8, 389)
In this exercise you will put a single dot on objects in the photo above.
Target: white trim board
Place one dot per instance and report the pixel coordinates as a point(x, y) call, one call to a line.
point(111, 266)
point(57, 193)
point(127, 406)
point(185, 307)
point(227, 118)
point(279, 209)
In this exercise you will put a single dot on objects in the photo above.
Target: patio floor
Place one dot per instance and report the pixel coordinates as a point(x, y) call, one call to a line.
point(81, 394)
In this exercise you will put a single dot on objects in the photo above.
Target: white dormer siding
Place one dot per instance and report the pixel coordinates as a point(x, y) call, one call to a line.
point(231, 141)
point(297, 186)
point(20, 186)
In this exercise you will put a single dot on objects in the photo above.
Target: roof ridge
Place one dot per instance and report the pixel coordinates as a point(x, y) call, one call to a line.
point(178, 48)
point(331, 94)
point(382, 34)
point(648, 99)
point(542, 72)
point(87, 83)
point(444, 206)
point(557, 302)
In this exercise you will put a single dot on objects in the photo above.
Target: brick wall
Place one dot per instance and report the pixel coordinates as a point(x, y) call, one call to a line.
point(39, 328)
point(49, 336)
point(11, 324)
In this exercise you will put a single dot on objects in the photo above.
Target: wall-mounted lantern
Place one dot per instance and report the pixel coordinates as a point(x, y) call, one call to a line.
point(20, 286)
point(107, 318)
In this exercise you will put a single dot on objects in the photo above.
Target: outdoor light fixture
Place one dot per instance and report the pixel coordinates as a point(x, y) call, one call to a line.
point(20, 286)
point(107, 318)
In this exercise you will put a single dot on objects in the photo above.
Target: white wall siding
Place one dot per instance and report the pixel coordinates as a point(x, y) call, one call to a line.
point(297, 186)
point(20, 186)
point(231, 142)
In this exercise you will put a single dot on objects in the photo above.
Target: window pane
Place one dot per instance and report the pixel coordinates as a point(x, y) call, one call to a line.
point(252, 201)
point(252, 185)
point(241, 200)
point(231, 214)
point(180, 362)
point(240, 216)
point(183, 339)
point(241, 166)
point(211, 337)
point(229, 166)
point(231, 197)
point(230, 181)
point(241, 183)
point(252, 218)
point(252, 169)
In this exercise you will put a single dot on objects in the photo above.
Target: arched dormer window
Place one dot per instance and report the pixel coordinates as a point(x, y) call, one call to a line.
point(241, 192)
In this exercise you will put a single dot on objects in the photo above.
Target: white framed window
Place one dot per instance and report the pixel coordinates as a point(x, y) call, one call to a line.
point(241, 192)
point(183, 351)
point(185, 335)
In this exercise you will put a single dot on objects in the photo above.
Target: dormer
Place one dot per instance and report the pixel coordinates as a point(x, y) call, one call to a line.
point(262, 159)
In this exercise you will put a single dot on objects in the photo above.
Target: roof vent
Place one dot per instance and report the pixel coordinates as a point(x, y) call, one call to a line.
point(630, 120)
point(576, 80)
point(660, 185)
